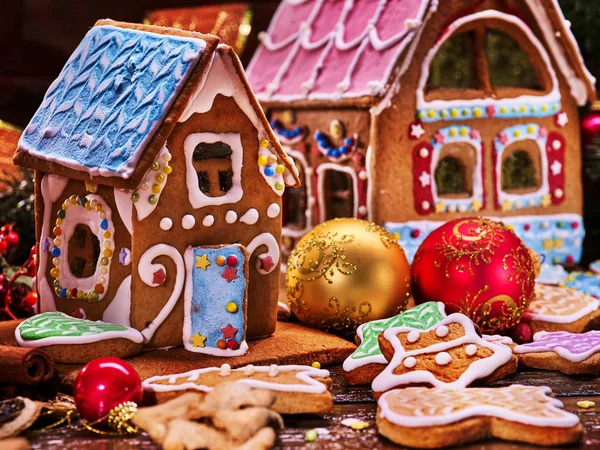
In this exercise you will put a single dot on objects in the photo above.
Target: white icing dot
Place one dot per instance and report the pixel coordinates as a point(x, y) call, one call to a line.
point(556, 144)
point(363, 175)
point(225, 370)
point(462, 208)
point(273, 210)
point(410, 362)
point(188, 221)
point(471, 349)
point(273, 370)
point(423, 153)
point(362, 210)
point(308, 171)
point(231, 216)
point(558, 193)
point(249, 370)
point(312, 201)
point(413, 336)
point(425, 205)
point(451, 208)
point(443, 358)
point(208, 220)
point(251, 217)
point(441, 331)
point(166, 223)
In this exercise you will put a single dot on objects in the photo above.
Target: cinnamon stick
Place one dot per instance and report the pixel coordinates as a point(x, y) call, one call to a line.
point(20, 365)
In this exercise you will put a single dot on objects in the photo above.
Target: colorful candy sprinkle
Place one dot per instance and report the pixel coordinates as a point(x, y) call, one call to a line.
point(311, 436)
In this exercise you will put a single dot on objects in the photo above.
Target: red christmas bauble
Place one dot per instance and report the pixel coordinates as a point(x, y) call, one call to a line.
point(477, 267)
point(30, 299)
point(103, 384)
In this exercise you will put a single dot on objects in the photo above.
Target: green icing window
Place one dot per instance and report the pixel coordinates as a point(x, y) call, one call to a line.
point(508, 64)
point(453, 65)
point(518, 171)
point(450, 177)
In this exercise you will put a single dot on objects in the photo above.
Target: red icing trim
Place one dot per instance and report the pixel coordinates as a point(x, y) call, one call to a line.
point(421, 193)
point(495, 176)
point(483, 190)
point(556, 182)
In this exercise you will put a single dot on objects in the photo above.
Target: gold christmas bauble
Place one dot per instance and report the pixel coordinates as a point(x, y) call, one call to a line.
point(346, 272)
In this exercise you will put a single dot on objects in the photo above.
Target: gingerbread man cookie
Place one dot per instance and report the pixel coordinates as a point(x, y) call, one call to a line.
point(433, 418)
point(450, 355)
point(566, 352)
point(298, 389)
point(556, 308)
point(367, 361)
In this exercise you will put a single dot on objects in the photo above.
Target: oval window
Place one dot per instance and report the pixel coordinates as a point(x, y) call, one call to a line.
point(84, 251)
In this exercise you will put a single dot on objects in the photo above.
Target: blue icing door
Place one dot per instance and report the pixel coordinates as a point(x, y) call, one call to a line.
point(215, 300)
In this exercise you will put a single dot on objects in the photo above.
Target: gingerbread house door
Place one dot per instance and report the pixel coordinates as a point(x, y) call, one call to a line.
point(215, 296)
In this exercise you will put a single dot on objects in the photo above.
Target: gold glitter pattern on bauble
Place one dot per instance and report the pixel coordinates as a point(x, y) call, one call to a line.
point(346, 272)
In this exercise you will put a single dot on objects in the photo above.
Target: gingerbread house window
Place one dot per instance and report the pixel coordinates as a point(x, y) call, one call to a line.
point(295, 202)
point(83, 251)
point(453, 65)
point(521, 168)
point(337, 191)
point(455, 169)
point(212, 162)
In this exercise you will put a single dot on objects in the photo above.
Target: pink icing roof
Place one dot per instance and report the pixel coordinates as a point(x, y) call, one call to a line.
point(324, 49)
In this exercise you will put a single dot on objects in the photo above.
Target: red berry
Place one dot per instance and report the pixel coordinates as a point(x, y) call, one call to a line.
point(33, 251)
point(6, 229)
point(12, 238)
point(522, 333)
point(31, 299)
point(3, 245)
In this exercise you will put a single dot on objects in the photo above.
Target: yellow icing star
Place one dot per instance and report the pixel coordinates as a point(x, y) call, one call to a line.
point(476, 205)
point(506, 205)
point(202, 262)
point(548, 244)
point(439, 207)
point(197, 340)
point(546, 200)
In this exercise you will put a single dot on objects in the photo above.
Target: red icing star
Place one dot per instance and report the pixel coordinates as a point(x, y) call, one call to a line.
point(266, 263)
point(229, 274)
point(474, 134)
point(229, 332)
point(490, 110)
point(543, 132)
point(159, 277)
point(503, 138)
point(439, 138)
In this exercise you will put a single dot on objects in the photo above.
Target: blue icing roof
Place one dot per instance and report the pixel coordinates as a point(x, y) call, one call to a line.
point(109, 99)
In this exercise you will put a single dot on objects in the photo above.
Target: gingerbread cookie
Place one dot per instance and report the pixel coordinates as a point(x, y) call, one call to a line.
point(298, 389)
point(70, 340)
point(367, 361)
point(450, 355)
point(433, 418)
point(556, 308)
point(566, 352)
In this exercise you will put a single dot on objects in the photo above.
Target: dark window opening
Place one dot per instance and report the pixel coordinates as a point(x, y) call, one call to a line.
point(450, 177)
point(212, 162)
point(339, 195)
point(508, 64)
point(84, 251)
point(295, 203)
point(518, 171)
point(453, 65)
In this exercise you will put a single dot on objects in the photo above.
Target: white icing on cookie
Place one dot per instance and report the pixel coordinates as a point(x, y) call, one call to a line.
point(208, 221)
point(441, 331)
point(231, 216)
point(188, 221)
point(119, 310)
point(273, 210)
point(250, 217)
point(413, 336)
point(471, 349)
point(443, 358)
point(410, 362)
point(225, 370)
point(166, 224)
point(273, 251)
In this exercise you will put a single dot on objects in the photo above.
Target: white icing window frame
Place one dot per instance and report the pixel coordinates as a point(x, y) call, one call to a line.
point(458, 204)
point(310, 200)
point(519, 201)
point(90, 218)
point(552, 97)
point(196, 197)
point(321, 170)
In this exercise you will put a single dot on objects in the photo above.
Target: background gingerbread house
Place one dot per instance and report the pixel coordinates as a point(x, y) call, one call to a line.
point(413, 112)
point(158, 190)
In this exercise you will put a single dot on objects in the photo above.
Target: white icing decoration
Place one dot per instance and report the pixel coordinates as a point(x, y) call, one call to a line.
point(441, 331)
point(166, 224)
point(273, 251)
point(443, 359)
point(471, 349)
point(146, 269)
point(208, 220)
point(188, 221)
point(477, 369)
point(321, 170)
point(273, 210)
point(199, 199)
point(498, 339)
point(306, 374)
point(124, 207)
point(477, 406)
point(143, 207)
point(231, 216)
point(250, 217)
point(413, 336)
point(551, 303)
point(225, 370)
point(276, 177)
point(273, 370)
point(410, 362)
point(556, 167)
point(119, 310)
point(249, 370)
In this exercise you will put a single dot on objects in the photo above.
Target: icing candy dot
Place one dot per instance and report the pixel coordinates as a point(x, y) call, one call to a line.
point(249, 370)
point(443, 358)
point(279, 186)
point(280, 168)
point(269, 171)
point(413, 336)
point(225, 370)
point(471, 349)
point(152, 199)
point(221, 344)
point(107, 252)
point(155, 166)
point(134, 197)
point(232, 307)
point(232, 344)
point(273, 370)
point(220, 260)
point(232, 261)
point(316, 365)
point(57, 231)
point(262, 160)
point(55, 251)
point(54, 273)
point(271, 159)
point(264, 143)
point(99, 288)
point(410, 362)
point(441, 331)
point(155, 188)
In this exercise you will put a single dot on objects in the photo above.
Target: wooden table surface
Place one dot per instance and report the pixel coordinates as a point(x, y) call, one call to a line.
point(358, 402)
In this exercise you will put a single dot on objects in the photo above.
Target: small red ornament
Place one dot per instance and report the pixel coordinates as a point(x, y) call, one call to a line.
point(522, 333)
point(12, 239)
point(477, 267)
point(3, 245)
point(31, 299)
point(103, 384)
point(232, 261)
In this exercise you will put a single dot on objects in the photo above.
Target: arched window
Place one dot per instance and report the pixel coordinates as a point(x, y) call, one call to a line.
point(212, 162)
point(295, 202)
point(520, 168)
point(453, 65)
point(339, 194)
point(455, 169)
point(450, 176)
point(83, 251)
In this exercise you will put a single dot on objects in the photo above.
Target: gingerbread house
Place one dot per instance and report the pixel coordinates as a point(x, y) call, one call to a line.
point(414, 112)
point(158, 190)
